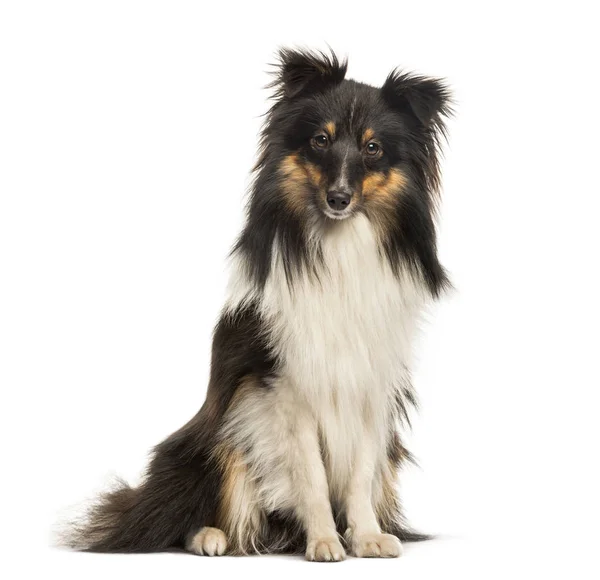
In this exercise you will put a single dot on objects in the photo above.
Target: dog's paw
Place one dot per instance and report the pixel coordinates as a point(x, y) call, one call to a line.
point(325, 550)
point(376, 546)
point(208, 542)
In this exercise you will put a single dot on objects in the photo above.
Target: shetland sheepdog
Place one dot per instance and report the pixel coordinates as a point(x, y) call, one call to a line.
point(297, 446)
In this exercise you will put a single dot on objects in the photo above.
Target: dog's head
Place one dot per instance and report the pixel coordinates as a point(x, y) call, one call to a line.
point(339, 147)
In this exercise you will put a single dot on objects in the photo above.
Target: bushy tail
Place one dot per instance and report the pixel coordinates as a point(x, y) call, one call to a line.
point(130, 519)
point(178, 496)
point(102, 525)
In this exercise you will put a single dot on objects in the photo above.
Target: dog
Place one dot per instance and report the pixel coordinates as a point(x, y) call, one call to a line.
point(297, 447)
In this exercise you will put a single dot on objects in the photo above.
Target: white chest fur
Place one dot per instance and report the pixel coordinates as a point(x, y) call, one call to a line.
point(343, 338)
point(350, 327)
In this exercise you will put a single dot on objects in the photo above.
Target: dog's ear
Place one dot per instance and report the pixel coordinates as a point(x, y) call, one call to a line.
point(426, 98)
point(301, 72)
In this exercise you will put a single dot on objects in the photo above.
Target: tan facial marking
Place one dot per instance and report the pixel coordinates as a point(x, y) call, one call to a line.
point(367, 136)
point(380, 192)
point(330, 127)
point(314, 173)
point(289, 166)
point(297, 174)
point(384, 186)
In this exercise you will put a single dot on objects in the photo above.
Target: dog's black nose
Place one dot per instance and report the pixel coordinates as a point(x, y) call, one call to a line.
point(338, 200)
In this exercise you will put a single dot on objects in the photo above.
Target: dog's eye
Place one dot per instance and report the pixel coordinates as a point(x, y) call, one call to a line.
point(372, 148)
point(321, 141)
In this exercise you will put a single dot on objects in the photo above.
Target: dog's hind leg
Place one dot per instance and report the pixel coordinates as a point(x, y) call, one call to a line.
point(207, 542)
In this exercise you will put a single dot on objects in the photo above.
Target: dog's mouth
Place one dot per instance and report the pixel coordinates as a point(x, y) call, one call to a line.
point(338, 215)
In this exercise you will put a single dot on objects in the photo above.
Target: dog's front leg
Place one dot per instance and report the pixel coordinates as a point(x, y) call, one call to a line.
point(364, 533)
point(309, 482)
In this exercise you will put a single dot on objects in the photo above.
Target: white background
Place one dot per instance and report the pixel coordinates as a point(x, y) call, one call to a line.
point(127, 131)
